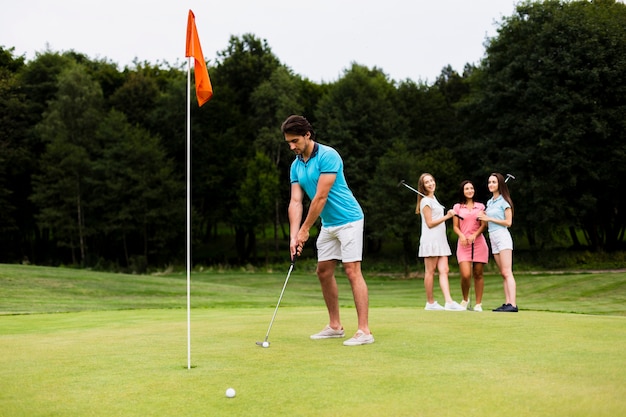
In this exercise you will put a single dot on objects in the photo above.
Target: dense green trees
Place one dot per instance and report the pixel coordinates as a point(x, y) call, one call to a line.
point(60, 184)
point(13, 119)
point(92, 159)
point(102, 181)
point(551, 104)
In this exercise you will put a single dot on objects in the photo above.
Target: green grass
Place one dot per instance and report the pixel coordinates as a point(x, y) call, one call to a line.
point(118, 347)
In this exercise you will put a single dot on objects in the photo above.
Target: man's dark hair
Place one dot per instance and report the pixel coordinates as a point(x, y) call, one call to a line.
point(297, 125)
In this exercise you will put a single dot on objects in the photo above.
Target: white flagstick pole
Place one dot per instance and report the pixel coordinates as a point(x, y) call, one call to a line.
point(188, 213)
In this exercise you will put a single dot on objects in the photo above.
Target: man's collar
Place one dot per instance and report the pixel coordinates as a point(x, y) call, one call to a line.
point(315, 150)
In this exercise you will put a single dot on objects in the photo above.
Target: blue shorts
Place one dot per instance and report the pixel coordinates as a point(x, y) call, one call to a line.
point(500, 240)
point(343, 242)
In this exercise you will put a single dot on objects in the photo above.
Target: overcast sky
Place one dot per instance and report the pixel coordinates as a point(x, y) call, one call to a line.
point(317, 39)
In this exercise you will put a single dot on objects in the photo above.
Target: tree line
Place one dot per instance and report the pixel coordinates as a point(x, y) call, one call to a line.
point(92, 158)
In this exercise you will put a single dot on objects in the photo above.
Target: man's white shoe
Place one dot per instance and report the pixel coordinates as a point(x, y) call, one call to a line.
point(464, 304)
point(433, 307)
point(328, 333)
point(478, 307)
point(360, 338)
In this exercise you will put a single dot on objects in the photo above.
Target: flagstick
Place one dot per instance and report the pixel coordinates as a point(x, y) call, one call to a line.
point(188, 213)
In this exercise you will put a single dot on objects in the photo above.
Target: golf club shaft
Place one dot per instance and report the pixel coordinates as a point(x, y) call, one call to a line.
point(267, 335)
point(411, 188)
point(471, 278)
point(417, 192)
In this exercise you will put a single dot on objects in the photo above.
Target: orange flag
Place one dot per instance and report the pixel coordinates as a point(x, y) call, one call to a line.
point(204, 90)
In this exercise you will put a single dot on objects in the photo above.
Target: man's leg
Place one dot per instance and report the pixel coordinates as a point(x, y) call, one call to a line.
point(360, 293)
point(326, 276)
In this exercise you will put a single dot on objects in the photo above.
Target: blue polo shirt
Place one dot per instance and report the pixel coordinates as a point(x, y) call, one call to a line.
point(496, 209)
point(341, 207)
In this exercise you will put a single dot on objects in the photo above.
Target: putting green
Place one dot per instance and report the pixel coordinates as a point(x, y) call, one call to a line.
point(133, 363)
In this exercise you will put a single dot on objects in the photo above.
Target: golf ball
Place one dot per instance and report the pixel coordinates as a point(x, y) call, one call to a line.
point(266, 344)
point(230, 392)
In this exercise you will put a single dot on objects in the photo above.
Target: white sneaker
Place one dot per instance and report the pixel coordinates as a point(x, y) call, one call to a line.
point(434, 306)
point(454, 306)
point(464, 304)
point(478, 307)
point(328, 333)
point(359, 338)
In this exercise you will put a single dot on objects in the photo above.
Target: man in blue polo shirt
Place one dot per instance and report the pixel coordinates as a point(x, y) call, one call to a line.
point(318, 172)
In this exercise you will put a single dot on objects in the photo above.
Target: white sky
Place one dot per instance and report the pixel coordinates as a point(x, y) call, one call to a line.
point(318, 39)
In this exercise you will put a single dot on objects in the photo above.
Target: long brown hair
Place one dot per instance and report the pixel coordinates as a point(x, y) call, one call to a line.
point(503, 189)
point(422, 189)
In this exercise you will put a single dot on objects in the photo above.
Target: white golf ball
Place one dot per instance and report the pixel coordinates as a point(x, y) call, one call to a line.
point(230, 392)
point(266, 344)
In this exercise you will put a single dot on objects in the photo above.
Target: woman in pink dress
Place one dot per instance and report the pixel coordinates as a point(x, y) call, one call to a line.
point(472, 252)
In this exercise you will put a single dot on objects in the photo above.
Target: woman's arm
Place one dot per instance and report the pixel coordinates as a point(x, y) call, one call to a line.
point(507, 222)
point(428, 217)
point(457, 229)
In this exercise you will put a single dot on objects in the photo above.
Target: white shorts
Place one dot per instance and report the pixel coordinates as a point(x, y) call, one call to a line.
point(343, 243)
point(500, 240)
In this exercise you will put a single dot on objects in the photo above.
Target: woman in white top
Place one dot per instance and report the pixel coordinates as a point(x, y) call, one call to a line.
point(434, 247)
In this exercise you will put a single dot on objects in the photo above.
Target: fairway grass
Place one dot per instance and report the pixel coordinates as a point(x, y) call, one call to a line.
point(112, 351)
point(133, 363)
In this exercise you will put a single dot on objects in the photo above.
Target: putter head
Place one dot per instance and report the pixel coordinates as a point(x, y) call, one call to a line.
point(508, 177)
point(401, 183)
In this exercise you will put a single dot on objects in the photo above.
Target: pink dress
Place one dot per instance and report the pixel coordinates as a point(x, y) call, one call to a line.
point(469, 225)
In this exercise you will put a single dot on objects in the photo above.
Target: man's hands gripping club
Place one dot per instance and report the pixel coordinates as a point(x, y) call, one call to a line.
point(297, 243)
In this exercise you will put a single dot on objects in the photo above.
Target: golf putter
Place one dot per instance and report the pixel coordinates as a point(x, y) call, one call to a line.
point(469, 297)
point(267, 335)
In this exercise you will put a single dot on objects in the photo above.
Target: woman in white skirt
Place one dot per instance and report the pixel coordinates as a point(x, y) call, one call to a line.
point(434, 247)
